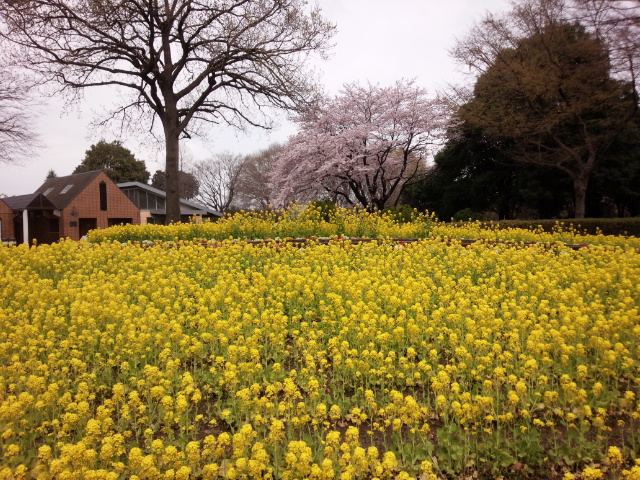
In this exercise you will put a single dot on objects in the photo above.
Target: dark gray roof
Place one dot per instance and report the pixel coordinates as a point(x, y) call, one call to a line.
point(187, 207)
point(62, 190)
point(31, 201)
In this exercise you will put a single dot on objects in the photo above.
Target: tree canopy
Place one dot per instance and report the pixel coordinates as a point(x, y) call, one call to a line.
point(116, 160)
point(181, 61)
point(361, 146)
point(548, 93)
point(472, 172)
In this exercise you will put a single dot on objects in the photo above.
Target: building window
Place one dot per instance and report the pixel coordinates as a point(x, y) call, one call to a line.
point(66, 189)
point(143, 203)
point(103, 196)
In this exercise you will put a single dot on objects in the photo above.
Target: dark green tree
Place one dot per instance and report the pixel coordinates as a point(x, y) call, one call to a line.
point(188, 186)
point(616, 181)
point(547, 91)
point(472, 172)
point(117, 162)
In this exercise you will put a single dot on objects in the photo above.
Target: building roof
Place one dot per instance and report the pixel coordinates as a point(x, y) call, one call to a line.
point(62, 190)
point(31, 201)
point(187, 207)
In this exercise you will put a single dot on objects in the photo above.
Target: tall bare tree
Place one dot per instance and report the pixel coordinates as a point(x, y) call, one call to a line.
point(182, 61)
point(218, 179)
point(253, 191)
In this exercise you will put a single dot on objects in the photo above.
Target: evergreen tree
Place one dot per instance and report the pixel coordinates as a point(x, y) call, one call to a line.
point(118, 162)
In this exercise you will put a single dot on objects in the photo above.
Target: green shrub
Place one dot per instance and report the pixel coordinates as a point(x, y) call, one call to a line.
point(326, 209)
point(467, 215)
point(401, 214)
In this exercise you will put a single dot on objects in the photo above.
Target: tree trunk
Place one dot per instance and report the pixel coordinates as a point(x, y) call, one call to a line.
point(172, 157)
point(172, 179)
point(580, 184)
point(379, 204)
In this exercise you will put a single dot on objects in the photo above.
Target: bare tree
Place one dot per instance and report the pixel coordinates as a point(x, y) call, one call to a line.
point(611, 12)
point(182, 61)
point(17, 112)
point(253, 190)
point(617, 24)
point(218, 179)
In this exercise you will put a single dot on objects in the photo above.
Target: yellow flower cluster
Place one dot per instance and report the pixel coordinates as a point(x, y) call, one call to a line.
point(562, 232)
point(328, 361)
point(310, 221)
point(295, 222)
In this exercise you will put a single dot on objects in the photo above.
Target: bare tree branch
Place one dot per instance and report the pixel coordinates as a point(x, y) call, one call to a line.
point(17, 112)
point(253, 191)
point(184, 62)
point(218, 179)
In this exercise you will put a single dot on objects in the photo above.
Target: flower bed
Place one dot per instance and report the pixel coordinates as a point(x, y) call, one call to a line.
point(302, 222)
point(344, 360)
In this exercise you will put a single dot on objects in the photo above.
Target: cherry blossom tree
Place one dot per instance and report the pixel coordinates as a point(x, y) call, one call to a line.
point(362, 146)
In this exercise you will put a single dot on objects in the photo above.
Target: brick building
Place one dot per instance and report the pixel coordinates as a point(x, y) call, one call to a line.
point(66, 207)
point(86, 201)
point(36, 212)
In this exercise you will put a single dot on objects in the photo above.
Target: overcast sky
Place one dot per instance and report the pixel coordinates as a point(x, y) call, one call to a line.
point(378, 41)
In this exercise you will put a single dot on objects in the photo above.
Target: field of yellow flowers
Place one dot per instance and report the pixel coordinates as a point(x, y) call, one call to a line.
point(425, 360)
point(300, 222)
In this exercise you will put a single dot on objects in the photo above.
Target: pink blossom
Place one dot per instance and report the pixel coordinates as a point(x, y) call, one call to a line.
point(362, 146)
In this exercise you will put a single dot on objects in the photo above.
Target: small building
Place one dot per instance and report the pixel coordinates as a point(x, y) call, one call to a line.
point(85, 201)
point(30, 217)
point(152, 205)
point(68, 207)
